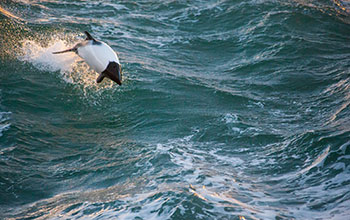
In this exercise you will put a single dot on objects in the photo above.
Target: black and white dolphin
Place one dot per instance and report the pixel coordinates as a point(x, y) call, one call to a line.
point(100, 57)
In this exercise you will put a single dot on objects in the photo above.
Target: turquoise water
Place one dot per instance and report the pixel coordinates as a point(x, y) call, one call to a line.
point(228, 110)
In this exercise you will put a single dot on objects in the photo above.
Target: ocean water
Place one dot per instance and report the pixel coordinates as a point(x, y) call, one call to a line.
point(228, 110)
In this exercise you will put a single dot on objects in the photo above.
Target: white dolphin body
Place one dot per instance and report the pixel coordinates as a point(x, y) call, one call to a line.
point(97, 56)
point(100, 57)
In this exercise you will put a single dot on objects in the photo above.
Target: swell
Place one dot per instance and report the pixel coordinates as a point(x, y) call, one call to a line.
point(192, 173)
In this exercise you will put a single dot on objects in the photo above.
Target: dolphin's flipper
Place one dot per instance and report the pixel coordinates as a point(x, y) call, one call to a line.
point(100, 78)
point(65, 51)
point(88, 36)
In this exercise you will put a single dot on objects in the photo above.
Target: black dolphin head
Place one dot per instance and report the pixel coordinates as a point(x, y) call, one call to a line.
point(113, 72)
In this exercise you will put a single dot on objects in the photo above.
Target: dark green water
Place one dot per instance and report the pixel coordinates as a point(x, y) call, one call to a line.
point(228, 110)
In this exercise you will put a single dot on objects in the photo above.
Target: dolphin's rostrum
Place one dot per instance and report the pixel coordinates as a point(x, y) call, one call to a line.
point(100, 57)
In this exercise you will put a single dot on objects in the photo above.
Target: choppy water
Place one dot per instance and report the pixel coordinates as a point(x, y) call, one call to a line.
point(228, 110)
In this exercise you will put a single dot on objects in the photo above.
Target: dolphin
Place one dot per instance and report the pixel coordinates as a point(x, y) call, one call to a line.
point(100, 57)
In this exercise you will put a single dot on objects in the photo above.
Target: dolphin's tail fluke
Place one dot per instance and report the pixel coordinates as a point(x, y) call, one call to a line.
point(65, 51)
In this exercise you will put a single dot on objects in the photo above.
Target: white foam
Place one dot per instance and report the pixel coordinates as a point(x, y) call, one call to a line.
point(4, 124)
point(43, 59)
point(213, 176)
point(230, 118)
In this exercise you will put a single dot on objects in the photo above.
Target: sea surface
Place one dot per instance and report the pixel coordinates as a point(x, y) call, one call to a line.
point(228, 110)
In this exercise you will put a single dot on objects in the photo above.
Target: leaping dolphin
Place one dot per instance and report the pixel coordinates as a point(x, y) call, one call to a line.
point(100, 57)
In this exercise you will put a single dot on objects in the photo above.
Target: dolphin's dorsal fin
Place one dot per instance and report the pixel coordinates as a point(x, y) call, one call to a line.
point(88, 36)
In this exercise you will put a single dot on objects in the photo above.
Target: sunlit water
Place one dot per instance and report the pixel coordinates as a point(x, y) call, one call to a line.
point(228, 110)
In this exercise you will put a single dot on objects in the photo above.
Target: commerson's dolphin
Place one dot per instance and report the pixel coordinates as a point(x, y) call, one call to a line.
point(100, 57)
